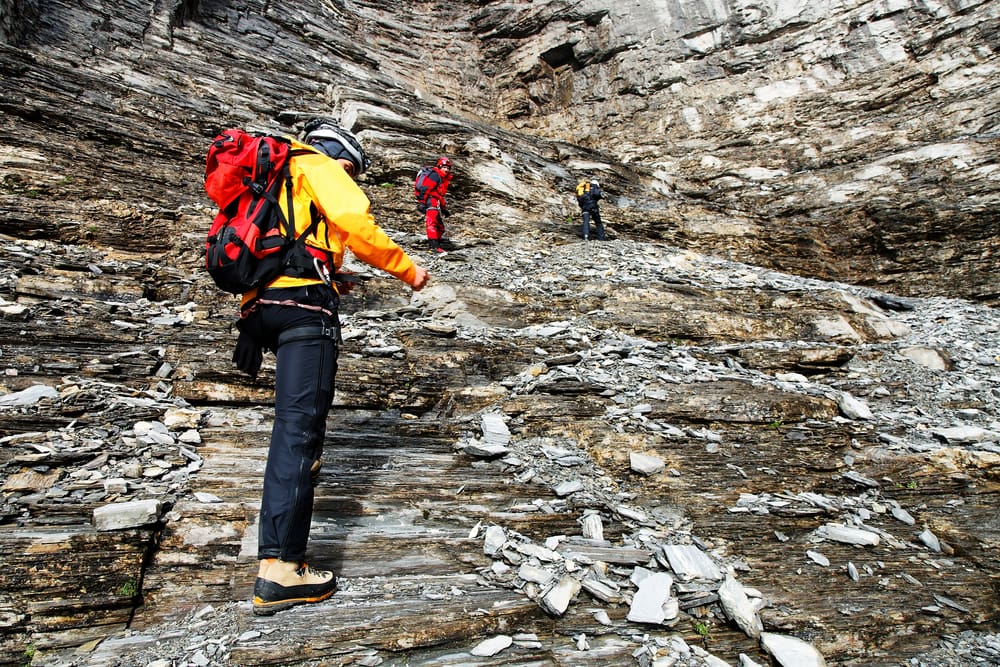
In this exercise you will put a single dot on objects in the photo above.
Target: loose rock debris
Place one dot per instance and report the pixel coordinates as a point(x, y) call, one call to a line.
point(108, 446)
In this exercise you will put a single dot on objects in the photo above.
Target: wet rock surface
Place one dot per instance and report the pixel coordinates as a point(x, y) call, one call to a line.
point(659, 450)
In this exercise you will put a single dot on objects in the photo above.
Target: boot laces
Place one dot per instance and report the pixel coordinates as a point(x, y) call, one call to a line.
point(304, 570)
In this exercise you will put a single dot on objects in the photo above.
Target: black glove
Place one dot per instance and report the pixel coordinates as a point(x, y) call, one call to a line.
point(444, 212)
point(248, 354)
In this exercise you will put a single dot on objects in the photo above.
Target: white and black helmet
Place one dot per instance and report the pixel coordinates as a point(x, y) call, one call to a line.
point(331, 139)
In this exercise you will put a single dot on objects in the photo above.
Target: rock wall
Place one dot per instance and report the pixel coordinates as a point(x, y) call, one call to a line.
point(852, 140)
point(686, 403)
point(845, 140)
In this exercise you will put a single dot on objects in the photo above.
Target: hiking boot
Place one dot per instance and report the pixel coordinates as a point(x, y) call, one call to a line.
point(441, 251)
point(282, 585)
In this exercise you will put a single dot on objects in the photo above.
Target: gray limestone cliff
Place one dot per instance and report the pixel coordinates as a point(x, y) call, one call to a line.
point(847, 140)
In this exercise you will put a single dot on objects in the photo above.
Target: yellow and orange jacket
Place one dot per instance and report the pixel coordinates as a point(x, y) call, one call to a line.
point(345, 219)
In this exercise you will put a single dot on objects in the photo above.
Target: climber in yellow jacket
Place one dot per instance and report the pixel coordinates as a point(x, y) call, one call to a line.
point(295, 316)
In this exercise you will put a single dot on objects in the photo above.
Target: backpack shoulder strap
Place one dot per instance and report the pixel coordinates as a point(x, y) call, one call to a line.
point(286, 178)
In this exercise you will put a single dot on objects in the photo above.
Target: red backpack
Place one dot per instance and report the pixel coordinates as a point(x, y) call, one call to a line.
point(246, 246)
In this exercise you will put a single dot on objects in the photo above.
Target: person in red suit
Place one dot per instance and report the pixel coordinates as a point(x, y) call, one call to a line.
point(436, 208)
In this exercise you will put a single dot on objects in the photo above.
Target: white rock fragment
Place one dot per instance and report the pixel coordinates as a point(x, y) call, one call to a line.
point(495, 431)
point(710, 660)
point(28, 396)
point(204, 497)
point(738, 607)
point(853, 408)
point(591, 526)
point(689, 562)
point(747, 661)
point(965, 435)
point(568, 488)
point(485, 450)
point(930, 540)
point(496, 438)
point(538, 575)
point(839, 532)
point(116, 485)
point(652, 603)
point(948, 602)
point(190, 437)
point(836, 328)
point(818, 558)
point(133, 514)
point(602, 617)
point(557, 599)
point(143, 428)
point(602, 590)
point(492, 646)
point(13, 310)
point(791, 651)
point(554, 541)
point(631, 513)
point(494, 541)
point(645, 464)
point(178, 418)
point(539, 552)
point(902, 515)
point(852, 572)
point(925, 356)
point(638, 574)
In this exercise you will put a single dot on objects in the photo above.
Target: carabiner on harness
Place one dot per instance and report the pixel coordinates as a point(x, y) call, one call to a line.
point(322, 271)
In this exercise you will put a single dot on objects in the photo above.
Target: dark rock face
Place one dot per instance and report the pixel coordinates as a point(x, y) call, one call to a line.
point(850, 142)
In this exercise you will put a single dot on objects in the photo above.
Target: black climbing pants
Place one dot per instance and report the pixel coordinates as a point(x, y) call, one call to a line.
point(306, 342)
point(595, 214)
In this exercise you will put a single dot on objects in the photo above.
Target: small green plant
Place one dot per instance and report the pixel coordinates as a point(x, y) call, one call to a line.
point(701, 629)
point(777, 423)
point(128, 589)
point(29, 653)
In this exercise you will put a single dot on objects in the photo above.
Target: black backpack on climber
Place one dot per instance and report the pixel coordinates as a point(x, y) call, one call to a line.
point(422, 185)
